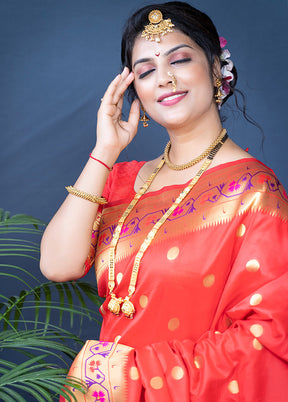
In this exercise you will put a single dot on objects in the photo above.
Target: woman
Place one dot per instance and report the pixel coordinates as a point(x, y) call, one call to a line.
point(190, 256)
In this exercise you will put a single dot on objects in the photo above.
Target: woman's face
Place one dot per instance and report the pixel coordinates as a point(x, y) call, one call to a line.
point(181, 56)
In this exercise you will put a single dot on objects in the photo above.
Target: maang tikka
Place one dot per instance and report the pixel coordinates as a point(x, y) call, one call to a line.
point(157, 26)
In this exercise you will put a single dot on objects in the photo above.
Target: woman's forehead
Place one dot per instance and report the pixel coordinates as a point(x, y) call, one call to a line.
point(144, 48)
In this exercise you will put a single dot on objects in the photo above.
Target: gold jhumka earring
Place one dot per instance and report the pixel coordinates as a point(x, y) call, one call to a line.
point(218, 95)
point(174, 81)
point(144, 118)
point(157, 26)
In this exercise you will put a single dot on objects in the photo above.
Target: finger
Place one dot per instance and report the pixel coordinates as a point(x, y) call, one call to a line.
point(109, 94)
point(117, 115)
point(120, 105)
point(107, 98)
point(122, 87)
point(118, 109)
point(134, 115)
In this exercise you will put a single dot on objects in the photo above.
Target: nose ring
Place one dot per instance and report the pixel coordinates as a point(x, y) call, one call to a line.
point(174, 81)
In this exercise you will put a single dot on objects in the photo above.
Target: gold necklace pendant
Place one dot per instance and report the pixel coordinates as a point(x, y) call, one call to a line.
point(115, 304)
point(128, 308)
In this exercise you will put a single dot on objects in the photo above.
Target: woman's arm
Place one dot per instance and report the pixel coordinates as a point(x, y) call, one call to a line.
point(66, 240)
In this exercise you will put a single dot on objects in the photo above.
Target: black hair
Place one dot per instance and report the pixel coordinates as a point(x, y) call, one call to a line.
point(187, 19)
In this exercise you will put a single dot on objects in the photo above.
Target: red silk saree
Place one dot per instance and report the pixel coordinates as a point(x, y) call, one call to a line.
point(211, 299)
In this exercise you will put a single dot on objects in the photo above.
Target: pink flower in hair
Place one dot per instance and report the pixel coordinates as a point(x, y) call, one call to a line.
point(223, 42)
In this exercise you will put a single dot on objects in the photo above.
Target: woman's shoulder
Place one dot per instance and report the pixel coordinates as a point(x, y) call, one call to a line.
point(250, 171)
point(253, 184)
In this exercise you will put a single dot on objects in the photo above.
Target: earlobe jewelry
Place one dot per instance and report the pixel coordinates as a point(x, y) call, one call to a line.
point(144, 118)
point(218, 95)
point(174, 81)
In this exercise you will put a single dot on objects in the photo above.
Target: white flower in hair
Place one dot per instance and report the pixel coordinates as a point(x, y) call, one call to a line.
point(226, 70)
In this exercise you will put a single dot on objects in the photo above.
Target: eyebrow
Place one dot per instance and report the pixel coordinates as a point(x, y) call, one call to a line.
point(144, 60)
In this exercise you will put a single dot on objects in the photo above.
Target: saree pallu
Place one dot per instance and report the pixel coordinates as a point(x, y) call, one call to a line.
point(211, 299)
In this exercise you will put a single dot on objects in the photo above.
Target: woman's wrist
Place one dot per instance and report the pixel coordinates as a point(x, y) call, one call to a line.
point(104, 155)
point(101, 162)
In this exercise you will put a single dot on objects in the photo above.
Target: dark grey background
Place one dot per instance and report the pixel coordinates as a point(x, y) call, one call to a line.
point(57, 57)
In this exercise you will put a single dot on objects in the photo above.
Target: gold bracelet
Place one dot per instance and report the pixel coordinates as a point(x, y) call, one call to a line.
point(86, 196)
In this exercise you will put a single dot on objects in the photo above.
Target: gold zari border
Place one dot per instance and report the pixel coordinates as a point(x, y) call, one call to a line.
point(207, 206)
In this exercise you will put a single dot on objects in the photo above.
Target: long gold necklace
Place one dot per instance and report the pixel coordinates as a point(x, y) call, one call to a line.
point(194, 161)
point(115, 304)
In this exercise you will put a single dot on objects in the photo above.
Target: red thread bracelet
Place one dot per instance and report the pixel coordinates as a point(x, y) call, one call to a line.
point(102, 163)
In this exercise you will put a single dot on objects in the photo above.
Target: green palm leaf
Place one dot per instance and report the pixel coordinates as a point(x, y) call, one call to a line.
point(37, 378)
point(31, 323)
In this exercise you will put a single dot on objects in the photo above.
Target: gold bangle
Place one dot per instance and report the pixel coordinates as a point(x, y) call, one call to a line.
point(86, 196)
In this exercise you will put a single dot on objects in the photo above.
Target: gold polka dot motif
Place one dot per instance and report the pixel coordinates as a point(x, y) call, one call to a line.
point(173, 253)
point(134, 373)
point(143, 301)
point(233, 387)
point(173, 324)
point(241, 230)
point(257, 345)
point(156, 382)
point(256, 330)
point(177, 373)
point(255, 299)
point(252, 265)
point(209, 280)
point(198, 361)
point(119, 277)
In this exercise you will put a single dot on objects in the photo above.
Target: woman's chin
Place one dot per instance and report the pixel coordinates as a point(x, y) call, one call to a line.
point(176, 120)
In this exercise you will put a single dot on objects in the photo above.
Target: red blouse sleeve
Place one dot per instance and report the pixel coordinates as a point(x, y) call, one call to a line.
point(245, 355)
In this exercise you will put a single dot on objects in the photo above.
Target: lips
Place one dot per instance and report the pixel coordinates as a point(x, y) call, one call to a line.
point(171, 97)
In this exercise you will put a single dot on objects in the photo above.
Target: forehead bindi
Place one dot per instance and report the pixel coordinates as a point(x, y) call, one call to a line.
point(147, 49)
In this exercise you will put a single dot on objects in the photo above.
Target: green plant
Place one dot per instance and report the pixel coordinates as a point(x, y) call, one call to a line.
point(31, 322)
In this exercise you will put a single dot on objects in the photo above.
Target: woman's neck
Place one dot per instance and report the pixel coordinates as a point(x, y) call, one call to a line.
point(189, 142)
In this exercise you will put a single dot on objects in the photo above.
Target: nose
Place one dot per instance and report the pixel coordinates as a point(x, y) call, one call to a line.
point(167, 79)
point(164, 79)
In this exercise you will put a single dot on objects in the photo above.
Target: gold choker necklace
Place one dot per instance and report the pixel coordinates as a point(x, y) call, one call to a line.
point(118, 304)
point(194, 161)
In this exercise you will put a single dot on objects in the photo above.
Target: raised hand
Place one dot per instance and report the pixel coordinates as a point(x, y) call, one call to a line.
point(113, 133)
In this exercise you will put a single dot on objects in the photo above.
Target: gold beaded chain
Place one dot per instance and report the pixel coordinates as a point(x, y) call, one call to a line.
point(194, 161)
point(127, 307)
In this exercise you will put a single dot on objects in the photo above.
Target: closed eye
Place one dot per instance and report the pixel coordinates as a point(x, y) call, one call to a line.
point(143, 75)
point(186, 59)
